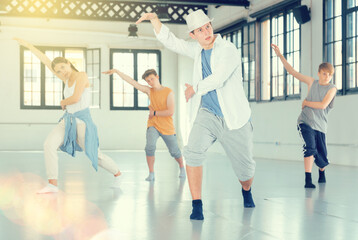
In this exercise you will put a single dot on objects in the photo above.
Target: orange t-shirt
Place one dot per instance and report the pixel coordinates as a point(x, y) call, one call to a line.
point(158, 101)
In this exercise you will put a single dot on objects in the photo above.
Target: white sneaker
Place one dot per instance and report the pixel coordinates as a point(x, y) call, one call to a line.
point(150, 177)
point(117, 182)
point(48, 189)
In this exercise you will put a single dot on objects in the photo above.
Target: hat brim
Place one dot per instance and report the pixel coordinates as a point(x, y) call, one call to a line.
point(210, 20)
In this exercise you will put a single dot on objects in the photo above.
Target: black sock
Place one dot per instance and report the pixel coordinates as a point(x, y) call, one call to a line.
point(197, 213)
point(308, 181)
point(248, 201)
point(322, 177)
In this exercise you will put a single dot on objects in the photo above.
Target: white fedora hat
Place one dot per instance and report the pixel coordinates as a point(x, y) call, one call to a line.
point(197, 19)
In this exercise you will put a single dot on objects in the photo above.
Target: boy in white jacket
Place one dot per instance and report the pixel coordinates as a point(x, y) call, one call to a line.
point(219, 109)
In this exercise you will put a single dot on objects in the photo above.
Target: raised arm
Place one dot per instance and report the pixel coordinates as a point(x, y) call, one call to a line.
point(325, 102)
point(43, 58)
point(167, 38)
point(154, 20)
point(131, 81)
point(303, 78)
point(167, 112)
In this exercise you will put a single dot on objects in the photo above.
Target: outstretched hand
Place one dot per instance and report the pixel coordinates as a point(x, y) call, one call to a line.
point(20, 41)
point(146, 16)
point(276, 49)
point(189, 91)
point(110, 72)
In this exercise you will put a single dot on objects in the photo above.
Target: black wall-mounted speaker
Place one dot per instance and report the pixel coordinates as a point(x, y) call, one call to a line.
point(302, 14)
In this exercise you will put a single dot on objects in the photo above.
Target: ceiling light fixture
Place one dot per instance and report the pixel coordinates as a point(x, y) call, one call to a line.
point(132, 31)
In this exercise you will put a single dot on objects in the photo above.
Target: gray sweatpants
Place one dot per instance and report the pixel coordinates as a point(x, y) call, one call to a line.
point(237, 143)
point(170, 140)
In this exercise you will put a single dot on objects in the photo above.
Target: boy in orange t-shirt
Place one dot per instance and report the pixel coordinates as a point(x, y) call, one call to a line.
point(160, 122)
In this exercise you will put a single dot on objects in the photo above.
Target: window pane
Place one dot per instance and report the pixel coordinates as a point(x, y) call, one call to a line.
point(36, 98)
point(89, 57)
point(281, 85)
point(234, 38)
point(49, 98)
point(143, 100)
point(289, 21)
point(94, 76)
point(296, 86)
point(350, 3)
point(351, 81)
point(246, 89)
point(145, 61)
point(122, 91)
point(239, 36)
point(337, 78)
point(329, 31)
point(296, 61)
point(77, 58)
point(329, 53)
point(351, 50)
point(52, 81)
point(280, 25)
point(246, 71)
point(290, 42)
point(245, 57)
point(252, 89)
point(252, 52)
point(337, 53)
point(351, 24)
point(252, 70)
point(252, 32)
point(95, 100)
point(27, 98)
point(338, 28)
point(246, 35)
point(329, 9)
point(32, 79)
point(296, 40)
point(274, 87)
point(337, 7)
point(289, 84)
point(265, 59)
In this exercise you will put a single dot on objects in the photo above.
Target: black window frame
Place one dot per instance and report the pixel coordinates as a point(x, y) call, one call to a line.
point(229, 33)
point(92, 64)
point(267, 14)
point(345, 11)
point(135, 95)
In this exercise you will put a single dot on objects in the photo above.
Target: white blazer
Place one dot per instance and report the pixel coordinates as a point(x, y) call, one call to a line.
point(226, 77)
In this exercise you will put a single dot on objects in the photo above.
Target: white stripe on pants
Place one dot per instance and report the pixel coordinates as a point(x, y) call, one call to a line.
point(55, 139)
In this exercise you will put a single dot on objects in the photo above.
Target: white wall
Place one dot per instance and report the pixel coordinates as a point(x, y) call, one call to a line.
point(275, 134)
point(27, 129)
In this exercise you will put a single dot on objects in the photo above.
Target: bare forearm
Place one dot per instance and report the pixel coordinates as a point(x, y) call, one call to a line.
point(286, 65)
point(43, 58)
point(164, 113)
point(157, 24)
point(315, 105)
point(128, 79)
point(70, 100)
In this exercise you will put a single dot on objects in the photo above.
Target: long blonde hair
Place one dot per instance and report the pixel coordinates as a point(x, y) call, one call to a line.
point(58, 60)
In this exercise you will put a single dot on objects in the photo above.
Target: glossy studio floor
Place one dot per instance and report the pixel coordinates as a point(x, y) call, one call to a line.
point(87, 208)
